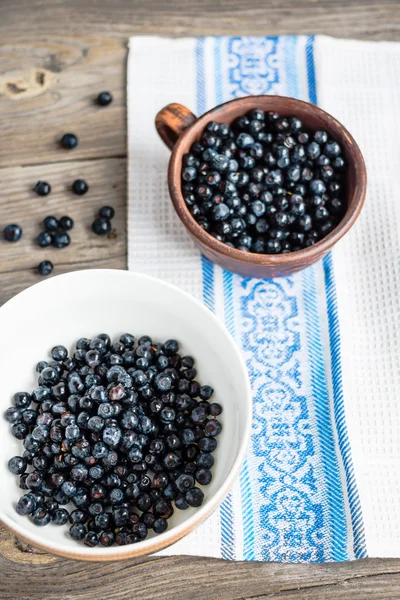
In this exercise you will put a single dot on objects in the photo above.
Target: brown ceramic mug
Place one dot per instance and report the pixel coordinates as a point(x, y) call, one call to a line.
point(179, 128)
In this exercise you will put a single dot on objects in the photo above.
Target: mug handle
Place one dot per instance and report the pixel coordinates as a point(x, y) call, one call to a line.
point(171, 121)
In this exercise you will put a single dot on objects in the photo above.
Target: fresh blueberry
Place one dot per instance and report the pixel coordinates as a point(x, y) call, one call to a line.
point(104, 98)
point(41, 517)
point(101, 226)
point(61, 239)
point(80, 187)
point(69, 141)
point(26, 505)
point(107, 212)
point(42, 188)
point(12, 233)
point(66, 223)
point(44, 239)
point(17, 465)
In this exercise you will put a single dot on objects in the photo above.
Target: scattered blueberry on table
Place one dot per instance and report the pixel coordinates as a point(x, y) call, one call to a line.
point(55, 233)
point(80, 187)
point(102, 224)
point(42, 188)
point(61, 239)
point(66, 223)
point(107, 212)
point(104, 99)
point(45, 267)
point(12, 233)
point(116, 436)
point(265, 183)
point(50, 223)
point(69, 141)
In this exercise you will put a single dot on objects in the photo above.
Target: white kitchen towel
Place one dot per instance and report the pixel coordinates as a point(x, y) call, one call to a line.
point(321, 480)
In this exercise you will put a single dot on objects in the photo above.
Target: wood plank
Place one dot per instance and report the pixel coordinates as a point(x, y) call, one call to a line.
point(52, 67)
point(121, 18)
point(48, 87)
point(19, 204)
point(38, 576)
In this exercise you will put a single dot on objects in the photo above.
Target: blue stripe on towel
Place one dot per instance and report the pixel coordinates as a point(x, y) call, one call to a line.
point(340, 417)
point(312, 88)
point(330, 467)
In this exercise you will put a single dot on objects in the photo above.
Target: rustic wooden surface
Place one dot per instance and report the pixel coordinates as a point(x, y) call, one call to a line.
point(55, 56)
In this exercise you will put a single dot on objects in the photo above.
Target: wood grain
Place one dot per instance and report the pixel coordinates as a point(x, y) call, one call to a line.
point(368, 19)
point(48, 87)
point(171, 577)
point(19, 204)
point(55, 57)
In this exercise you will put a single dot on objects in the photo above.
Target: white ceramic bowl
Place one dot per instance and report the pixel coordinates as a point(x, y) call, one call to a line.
point(85, 303)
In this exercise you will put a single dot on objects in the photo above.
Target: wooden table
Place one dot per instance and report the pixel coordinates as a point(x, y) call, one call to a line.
point(55, 56)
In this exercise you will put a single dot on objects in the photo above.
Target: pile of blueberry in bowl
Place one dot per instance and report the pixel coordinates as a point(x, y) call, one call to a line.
point(128, 429)
point(266, 183)
point(116, 437)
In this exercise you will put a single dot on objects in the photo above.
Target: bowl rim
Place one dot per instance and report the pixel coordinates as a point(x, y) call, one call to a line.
point(177, 532)
point(306, 255)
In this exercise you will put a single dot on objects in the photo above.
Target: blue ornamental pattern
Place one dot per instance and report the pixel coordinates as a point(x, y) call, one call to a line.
point(286, 514)
point(283, 457)
point(252, 65)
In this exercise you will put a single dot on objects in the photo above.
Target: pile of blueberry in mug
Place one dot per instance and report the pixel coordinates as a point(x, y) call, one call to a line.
point(121, 432)
point(265, 184)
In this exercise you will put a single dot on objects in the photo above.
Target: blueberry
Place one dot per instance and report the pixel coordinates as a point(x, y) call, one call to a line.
point(104, 98)
point(29, 417)
point(22, 400)
point(180, 502)
point(332, 149)
point(78, 516)
point(80, 187)
point(61, 239)
point(42, 188)
point(220, 163)
point(107, 538)
point(162, 382)
point(160, 525)
point(69, 141)
point(60, 516)
point(321, 137)
point(203, 476)
point(51, 224)
point(13, 415)
point(172, 461)
point(111, 435)
point(194, 497)
point(12, 233)
point(41, 517)
point(44, 239)
point(77, 531)
point(66, 223)
point(107, 212)
point(120, 515)
point(79, 472)
point(17, 465)
point(68, 488)
point(207, 444)
point(313, 150)
point(91, 539)
point(205, 460)
point(101, 226)
point(184, 482)
point(26, 505)
point(317, 187)
point(72, 433)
